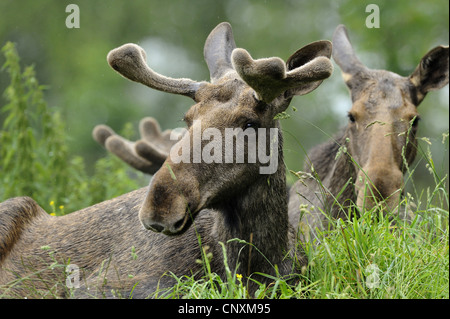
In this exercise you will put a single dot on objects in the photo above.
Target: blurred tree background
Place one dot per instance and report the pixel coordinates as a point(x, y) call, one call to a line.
point(81, 85)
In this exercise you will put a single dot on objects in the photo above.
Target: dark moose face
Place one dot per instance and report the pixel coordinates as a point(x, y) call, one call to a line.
point(226, 131)
point(232, 137)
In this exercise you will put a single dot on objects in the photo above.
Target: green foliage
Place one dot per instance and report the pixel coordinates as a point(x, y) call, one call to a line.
point(34, 154)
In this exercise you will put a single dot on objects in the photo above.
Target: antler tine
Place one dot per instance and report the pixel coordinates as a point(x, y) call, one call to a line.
point(125, 150)
point(149, 129)
point(147, 154)
point(101, 133)
point(151, 132)
point(154, 145)
point(270, 78)
point(129, 61)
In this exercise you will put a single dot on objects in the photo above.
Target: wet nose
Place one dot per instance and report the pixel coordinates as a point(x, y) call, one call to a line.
point(172, 228)
point(377, 185)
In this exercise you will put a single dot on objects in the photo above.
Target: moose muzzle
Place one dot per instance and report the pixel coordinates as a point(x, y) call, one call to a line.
point(170, 205)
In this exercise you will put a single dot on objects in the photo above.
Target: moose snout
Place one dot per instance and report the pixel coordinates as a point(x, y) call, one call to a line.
point(168, 219)
point(379, 186)
point(169, 207)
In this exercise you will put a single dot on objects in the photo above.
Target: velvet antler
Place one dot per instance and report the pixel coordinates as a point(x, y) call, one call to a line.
point(129, 61)
point(271, 77)
point(146, 154)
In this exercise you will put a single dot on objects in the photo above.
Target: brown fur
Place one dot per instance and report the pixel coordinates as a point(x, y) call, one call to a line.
point(103, 233)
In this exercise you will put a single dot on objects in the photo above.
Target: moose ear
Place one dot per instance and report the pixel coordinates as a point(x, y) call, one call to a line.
point(345, 56)
point(217, 51)
point(432, 71)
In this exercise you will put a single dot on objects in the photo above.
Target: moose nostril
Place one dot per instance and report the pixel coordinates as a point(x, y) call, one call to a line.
point(179, 224)
point(157, 228)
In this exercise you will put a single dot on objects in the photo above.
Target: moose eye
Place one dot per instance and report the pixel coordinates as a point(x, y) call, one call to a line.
point(251, 124)
point(351, 118)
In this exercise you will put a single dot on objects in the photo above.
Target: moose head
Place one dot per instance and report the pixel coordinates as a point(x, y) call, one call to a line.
point(242, 99)
point(383, 119)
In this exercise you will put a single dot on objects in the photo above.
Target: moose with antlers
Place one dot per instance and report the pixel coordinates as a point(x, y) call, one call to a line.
point(190, 208)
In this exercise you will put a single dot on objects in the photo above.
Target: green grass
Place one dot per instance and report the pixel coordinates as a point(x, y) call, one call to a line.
point(369, 257)
point(364, 257)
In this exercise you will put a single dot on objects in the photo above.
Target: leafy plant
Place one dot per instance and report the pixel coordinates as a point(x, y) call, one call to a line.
point(34, 153)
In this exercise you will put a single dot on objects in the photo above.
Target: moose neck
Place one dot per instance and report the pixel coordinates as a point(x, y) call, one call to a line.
point(257, 215)
point(334, 169)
